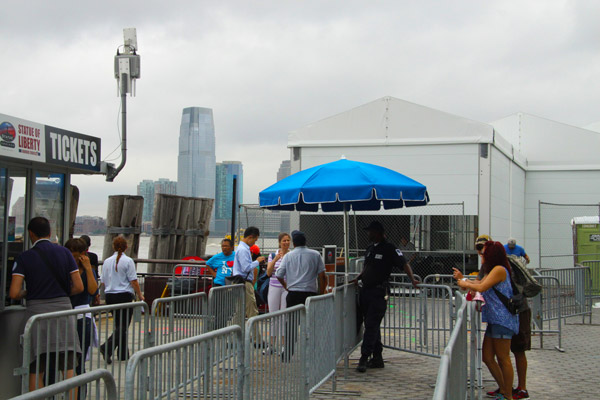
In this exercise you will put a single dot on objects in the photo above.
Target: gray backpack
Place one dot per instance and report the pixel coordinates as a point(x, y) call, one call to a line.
point(522, 279)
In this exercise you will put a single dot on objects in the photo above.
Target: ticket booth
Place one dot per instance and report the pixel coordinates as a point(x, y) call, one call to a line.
point(36, 164)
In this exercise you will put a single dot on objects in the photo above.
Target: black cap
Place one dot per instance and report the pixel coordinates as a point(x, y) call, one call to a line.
point(375, 226)
point(296, 234)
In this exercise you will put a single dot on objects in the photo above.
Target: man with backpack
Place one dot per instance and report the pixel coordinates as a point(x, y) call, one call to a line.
point(521, 342)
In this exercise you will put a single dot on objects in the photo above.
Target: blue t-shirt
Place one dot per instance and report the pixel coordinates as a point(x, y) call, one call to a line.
point(41, 283)
point(517, 250)
point(223, 265)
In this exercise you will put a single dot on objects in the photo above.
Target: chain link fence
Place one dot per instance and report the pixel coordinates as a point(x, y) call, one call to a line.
point(433, 238)
point(568, 234)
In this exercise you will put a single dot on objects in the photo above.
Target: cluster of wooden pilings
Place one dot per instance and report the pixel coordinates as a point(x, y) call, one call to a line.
point(180, 228)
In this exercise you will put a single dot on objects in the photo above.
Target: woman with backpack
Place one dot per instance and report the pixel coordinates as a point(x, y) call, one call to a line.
point(501, 324)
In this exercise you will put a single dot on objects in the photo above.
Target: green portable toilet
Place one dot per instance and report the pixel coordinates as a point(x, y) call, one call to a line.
point(586, 238)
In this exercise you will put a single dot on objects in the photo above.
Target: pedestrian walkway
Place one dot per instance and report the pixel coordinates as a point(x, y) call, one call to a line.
point(573, 374)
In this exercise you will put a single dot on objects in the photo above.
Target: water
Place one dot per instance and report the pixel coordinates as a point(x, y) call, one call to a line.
point(212, 247)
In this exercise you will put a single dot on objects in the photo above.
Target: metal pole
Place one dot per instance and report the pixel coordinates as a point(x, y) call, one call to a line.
point(346, 245)
point(112, 174)
point(233, 207)
point(539, 234)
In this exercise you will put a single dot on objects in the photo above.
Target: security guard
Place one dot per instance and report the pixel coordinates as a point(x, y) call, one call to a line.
point(380, 258)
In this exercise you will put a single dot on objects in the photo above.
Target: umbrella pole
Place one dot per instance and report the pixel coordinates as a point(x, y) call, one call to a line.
point(346, 245)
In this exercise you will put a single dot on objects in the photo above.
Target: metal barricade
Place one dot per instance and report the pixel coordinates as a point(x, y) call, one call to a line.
point(546, 309)
point(179, 317)
point(451, 380)
point(189, 280)
point(445, 279)
point(227, 306)
point(321, 333)
point(475, 351)
point(418, 320)
point(102, 330)
point(403, 278)
point(573, 284)
point(208, 366)
point(275, 358)
point(91, 379)
point(594, 289)
point(352, 330)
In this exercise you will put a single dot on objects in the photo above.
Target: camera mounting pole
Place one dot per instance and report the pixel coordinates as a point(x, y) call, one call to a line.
point(127, 70)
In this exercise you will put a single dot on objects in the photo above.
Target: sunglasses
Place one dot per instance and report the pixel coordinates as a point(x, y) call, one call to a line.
point(479, 246)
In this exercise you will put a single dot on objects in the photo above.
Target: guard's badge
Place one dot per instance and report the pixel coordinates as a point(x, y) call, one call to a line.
point(399, 252)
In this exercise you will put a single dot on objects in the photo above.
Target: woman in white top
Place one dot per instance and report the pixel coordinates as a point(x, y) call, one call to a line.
point(277, 293)
point(119, 278)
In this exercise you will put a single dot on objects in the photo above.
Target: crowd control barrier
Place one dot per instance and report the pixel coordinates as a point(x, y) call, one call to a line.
point(227, 306)
point(67, 387)
point(451, 383)
point(418, 320)
point(594, 290)
point(208, 366)
point(573, 285)
point(103, 328)
point(546, 309)
point(179, 317)
point(275, 355)
point(320, 329)
point(403, 278)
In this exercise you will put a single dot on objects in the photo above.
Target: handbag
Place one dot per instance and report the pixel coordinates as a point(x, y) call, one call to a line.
point(236, 279)
point(517, 303)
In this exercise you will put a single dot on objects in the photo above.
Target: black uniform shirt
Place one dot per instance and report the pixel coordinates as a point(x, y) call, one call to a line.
point(379, 260)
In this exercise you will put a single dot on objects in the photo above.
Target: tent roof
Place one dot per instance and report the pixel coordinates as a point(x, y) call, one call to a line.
point(391, 121)
point(550, 145)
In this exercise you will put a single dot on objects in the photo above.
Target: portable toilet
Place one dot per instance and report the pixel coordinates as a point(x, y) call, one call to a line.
point(586, 238)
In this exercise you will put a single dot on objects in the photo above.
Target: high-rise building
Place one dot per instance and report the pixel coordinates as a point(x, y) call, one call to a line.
point(226, 170)
point(285, 170)
point(196, 161)
point(148, 188)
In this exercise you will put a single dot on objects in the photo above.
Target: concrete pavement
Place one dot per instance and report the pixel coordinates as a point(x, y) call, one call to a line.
point(573, 374)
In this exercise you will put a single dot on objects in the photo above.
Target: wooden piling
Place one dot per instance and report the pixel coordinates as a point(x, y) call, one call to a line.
point(123, 217)
point(179, 226)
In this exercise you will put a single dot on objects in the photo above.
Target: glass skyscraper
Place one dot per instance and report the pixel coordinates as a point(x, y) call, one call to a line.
point(148, 188)
point(224, 188)
point(196, 161)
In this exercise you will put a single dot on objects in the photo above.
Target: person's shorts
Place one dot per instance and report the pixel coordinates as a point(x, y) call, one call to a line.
point(42, 360)
point(496, 331)
point(522, 341)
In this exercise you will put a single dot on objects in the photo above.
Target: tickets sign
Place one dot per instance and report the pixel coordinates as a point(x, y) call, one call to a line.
point(31, 141)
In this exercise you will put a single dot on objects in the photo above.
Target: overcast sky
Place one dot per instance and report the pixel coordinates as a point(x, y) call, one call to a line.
point(269, 67)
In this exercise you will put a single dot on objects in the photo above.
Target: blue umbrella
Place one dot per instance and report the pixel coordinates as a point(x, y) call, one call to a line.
point(344, 185)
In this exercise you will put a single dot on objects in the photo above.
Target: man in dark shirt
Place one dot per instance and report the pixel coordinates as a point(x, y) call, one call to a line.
point(380, 258)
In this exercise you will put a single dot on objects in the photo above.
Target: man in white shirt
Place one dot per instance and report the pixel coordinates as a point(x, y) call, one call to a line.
point(298, 274)
point(299, 270)
point(244, 266)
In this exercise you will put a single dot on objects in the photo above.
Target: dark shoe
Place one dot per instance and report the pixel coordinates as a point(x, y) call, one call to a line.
point(493, 394)
point(362, 363)
point(519, 393)
point(376, 362)
point(102, 350)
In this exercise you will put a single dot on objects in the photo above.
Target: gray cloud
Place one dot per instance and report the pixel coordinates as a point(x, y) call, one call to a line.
point(268, 67)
